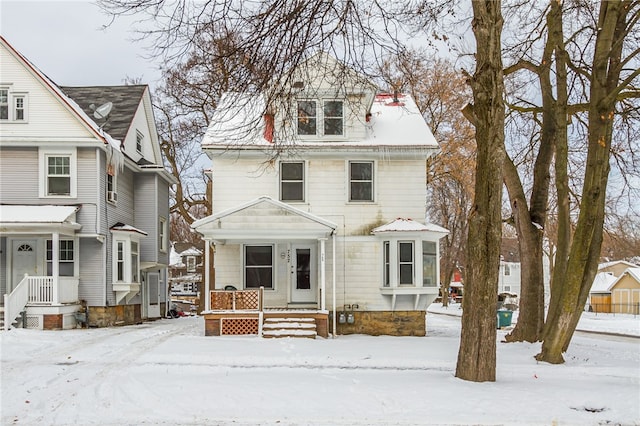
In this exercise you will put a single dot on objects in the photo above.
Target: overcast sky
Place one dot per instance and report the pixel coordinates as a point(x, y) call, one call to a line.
point(66, 41)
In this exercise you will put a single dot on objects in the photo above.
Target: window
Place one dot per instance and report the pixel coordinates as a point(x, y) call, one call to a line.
point(385, 250)
point(307, 118)
point(19, 111)
point(135, 262)
point(292, 181)
point(429, 271)
point(162, 234)
point(333, 118)
point(13, 106)
point(126, 258)
point(191, 263)
point(361, 181)
point(139, 138)
point(65, 260)
point(58, 173)
point(507, 270)
point(405, 262)
point(258, 266)
point(4, 104)
point(112, 186)
point(120, 261)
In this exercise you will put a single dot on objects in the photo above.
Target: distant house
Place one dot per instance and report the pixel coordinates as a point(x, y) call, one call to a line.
point(319, 199)
point(84, 202)
point(185, 272)
point(616, 293)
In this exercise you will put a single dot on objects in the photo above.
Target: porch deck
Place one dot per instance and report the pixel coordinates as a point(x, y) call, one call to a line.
point(241, 312)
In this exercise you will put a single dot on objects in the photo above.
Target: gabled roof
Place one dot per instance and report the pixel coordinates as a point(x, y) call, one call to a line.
point(263, 218)
point(125, 99)
point(617, 262)
point(602, 283)
point(66, 101)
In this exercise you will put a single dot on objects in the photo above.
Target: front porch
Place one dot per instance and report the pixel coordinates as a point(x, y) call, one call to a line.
point(42, 302)
point(241, 312)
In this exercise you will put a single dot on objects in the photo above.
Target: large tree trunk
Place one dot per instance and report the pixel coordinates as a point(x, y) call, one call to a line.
point(477, 352)
point(530, 220)
point(568, 301)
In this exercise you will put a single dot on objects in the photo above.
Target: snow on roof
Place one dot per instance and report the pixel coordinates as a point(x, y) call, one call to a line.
point(238, 122)
point(192, 251)
point(408, 225)
point(127, 228)
point(616, 262)
point(36, 214)
point(174, 257)
point(602, 282)
point(634, 272)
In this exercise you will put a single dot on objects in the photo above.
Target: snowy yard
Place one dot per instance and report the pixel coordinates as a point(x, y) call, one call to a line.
point(166, 373)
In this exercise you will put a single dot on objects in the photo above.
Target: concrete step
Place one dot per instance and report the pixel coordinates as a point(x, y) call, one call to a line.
point(289, 327)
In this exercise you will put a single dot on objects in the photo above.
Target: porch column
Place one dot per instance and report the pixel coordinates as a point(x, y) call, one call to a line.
point(323, 294)
point(55, 267)
point(207, 295)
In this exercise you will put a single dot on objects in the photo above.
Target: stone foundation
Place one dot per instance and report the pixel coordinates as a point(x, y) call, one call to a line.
point(107, 316)
point(378, 323)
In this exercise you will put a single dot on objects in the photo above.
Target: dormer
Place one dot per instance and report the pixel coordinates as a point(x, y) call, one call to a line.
point(326, 102)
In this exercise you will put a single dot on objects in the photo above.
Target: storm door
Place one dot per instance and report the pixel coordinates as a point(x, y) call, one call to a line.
point(304, 283)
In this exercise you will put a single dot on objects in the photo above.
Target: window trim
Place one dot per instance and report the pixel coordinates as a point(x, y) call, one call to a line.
point(6, 104)
point(302, 182)
point(162, 234)
point(272, 266)
point(11, 106)
point(319, 118)
point(126, 240)
point(191, 263)
point(139, 140)
point(43, 159)
point(412, 262)
point(372, 181)
point(49, 260)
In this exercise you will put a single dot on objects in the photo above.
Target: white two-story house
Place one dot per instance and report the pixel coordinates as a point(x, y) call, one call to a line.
point(84, 202)
point(319, 196)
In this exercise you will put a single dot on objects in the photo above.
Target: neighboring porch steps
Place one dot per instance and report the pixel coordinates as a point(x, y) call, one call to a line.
point(289, 327)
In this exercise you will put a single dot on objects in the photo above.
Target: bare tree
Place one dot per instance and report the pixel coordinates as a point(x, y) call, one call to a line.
point(477, 352)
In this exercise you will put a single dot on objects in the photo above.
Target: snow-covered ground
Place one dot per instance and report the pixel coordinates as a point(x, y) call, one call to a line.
point(167, 372)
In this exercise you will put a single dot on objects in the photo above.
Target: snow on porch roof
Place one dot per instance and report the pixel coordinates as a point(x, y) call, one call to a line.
point(127, 228)
point(35, 214)
point(409, 225)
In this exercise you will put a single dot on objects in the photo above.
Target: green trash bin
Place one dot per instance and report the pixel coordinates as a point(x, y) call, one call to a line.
point(504, 317)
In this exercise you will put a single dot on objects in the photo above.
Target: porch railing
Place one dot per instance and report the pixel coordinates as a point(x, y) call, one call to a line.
point(233, 300)
point(39, 290)
point(15, 302)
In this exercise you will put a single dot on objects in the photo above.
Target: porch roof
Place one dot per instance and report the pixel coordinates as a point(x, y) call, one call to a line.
point(38, 219)
point(263, 219)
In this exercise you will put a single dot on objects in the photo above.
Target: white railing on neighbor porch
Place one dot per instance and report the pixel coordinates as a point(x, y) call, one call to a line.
point(39, 291)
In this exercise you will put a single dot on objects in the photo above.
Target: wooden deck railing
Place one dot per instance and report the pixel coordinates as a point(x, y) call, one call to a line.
point(237, 300)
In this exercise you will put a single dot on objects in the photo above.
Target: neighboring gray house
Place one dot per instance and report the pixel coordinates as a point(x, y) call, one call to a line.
point(81, 171)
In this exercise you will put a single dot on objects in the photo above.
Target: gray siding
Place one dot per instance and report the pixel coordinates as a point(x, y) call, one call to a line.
point(3, 265)
point(146, 215)
point(92, 272)
point(19, 183)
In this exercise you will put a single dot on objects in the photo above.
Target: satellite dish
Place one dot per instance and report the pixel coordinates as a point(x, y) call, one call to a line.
point(102, 111)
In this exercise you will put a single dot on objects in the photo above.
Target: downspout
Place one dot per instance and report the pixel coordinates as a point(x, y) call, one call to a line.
point(333, 267)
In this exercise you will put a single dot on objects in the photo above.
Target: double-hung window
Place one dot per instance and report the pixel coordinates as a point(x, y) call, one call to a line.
point(328, 112)
point(4, 104)
point(126, 258)
point(139, 139)
point(258, 266)
point(361, 181)
point(65, 258)
point(13, 106)
point(429, 268)
point(292, 181)
point(57, 173)
point(162, 234)
point(405, 262)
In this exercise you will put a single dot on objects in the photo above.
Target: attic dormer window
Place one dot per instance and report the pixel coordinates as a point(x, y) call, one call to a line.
point(331, 115)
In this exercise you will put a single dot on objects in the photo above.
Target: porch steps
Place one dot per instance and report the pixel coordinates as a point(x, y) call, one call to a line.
point(14, 324)
point(289, 327)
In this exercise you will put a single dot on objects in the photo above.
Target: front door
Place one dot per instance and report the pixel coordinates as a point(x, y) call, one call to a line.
point(23, 260)
point(153, 292)
point(304, 284)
